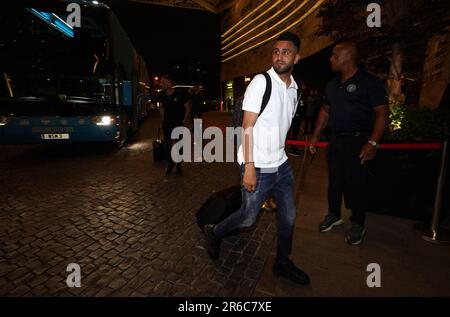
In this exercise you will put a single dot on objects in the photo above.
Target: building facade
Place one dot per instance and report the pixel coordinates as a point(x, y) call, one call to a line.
point(248, 31)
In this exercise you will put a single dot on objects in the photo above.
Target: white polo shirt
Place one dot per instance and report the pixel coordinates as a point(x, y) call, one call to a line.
point(271, 128)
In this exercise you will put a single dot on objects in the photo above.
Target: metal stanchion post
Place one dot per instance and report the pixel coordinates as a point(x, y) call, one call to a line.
point(432, 232)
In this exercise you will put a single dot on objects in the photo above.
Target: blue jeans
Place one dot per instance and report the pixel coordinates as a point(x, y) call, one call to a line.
point(281, 184)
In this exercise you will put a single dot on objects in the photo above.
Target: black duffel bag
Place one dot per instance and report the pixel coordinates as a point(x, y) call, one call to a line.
point(159, 148)
point(219, 206)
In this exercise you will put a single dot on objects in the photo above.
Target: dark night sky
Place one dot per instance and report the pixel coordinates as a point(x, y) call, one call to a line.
point(168, 36)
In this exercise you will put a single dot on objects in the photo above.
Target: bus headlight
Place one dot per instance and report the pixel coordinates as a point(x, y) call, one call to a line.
point(103, 120)
point(3, 120)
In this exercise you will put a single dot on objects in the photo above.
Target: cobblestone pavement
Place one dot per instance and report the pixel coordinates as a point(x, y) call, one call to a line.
point(131, 230)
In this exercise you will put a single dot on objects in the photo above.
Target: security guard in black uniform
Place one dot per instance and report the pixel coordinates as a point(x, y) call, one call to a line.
point(175, 112)
point(357, 111)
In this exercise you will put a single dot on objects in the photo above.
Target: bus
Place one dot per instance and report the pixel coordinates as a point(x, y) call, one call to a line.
point(68, 83)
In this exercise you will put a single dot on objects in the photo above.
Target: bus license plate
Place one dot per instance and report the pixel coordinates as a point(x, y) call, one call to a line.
point(55, 136)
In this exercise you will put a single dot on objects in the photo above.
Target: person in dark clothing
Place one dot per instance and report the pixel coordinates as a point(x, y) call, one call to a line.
point(175, 111)
point(312, 110)
point(197, 101)
point(357, 111)
point(294, 131)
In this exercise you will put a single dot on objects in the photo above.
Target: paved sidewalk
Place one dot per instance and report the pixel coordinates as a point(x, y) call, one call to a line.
point(133, 231)
point(409, 265)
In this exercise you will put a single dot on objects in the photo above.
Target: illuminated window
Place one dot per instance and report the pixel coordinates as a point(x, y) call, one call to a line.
point(54, 21)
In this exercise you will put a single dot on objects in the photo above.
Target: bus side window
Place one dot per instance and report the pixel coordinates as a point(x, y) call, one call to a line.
point(127, 94)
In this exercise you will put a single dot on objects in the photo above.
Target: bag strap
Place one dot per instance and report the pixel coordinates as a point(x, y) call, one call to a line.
point(267, 92)
point(300, 102)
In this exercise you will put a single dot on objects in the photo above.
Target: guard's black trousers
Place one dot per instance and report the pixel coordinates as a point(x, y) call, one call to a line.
point(346, 175)
point(167, 129)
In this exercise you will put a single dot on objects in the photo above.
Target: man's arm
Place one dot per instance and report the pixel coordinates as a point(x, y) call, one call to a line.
point(369, 151)
point(248, 122)
point(321, 123)
point(161, 112)
point(381, 122)
point(161, 106)
point(187, 112)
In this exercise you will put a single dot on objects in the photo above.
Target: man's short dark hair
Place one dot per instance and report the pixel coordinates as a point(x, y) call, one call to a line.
point(291, 37)
point(352, 46)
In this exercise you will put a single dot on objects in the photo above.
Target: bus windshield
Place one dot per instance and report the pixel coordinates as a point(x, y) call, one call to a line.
point(43, 58)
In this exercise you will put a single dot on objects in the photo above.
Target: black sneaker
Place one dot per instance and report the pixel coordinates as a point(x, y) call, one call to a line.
point(329, 222)
point(290, 271)
point(355, 235)
point(212, 243)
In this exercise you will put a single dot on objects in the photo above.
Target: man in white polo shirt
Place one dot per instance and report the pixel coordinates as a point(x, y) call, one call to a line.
point(264, 165)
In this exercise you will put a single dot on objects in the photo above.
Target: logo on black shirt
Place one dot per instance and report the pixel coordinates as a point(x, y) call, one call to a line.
point(351, 88)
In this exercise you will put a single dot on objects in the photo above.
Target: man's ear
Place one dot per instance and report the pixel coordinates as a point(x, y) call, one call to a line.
point(297, 58)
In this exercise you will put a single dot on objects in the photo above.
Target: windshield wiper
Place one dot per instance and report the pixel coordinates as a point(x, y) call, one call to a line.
point(80, 99)
point(29, 98)
point(61, 98)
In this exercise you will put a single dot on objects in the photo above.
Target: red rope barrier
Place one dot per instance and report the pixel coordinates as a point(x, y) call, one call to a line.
point(386, 146)
point(306, 143)
point(412, 146)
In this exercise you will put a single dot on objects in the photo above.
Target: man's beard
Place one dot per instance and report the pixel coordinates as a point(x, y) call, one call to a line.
point(283, 69)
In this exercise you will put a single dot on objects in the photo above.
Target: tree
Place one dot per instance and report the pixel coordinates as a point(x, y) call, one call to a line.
point(403, 22)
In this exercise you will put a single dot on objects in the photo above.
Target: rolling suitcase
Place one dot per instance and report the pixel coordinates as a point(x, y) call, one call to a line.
point(219, 206)
point(159, 148)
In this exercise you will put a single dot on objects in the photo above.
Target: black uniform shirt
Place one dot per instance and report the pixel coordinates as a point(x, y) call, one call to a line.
point(174, 109)
point(351, 103)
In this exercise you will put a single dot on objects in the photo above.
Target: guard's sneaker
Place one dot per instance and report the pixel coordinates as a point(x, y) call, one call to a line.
point(329, 222)
point(212, 243)
point(355, 235)
point(290, 271)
